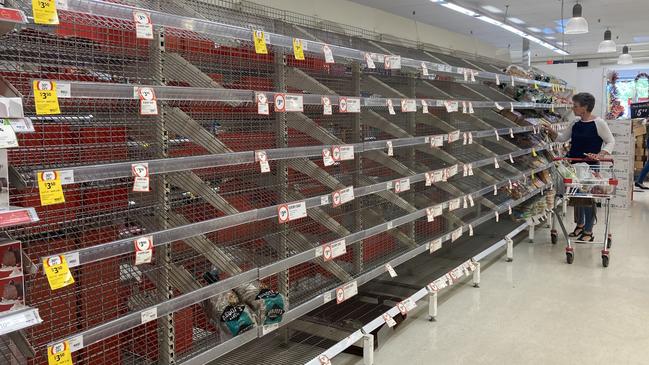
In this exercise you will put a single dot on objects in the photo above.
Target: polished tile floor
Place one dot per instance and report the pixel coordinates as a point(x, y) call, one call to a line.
point(539, 310)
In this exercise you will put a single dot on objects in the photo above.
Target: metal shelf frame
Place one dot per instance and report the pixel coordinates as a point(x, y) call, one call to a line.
point(287, 259)
point(341, 346)
point(125, 246)
point(134, 319)
point(212, 28)
point(330, 295)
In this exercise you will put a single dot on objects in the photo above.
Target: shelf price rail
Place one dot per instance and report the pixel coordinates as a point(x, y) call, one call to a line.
point(125, 13)
point(136, 318)
point(105, 90)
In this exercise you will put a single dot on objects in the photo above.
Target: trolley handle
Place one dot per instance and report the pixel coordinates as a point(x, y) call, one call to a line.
point(582, 159)
point(611, 181)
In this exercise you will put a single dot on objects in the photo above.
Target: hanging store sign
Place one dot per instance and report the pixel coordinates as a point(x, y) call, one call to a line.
point(328, 55)
point(392, 62)
point(143, 250)
point(44, 12)
point(148, 101)
point(259, 39)
point(262, 158)
point(298, 49)
point(326, 106)
point(140, 172)
point(342, 196)
point(408, 105)
point(280, 102)
point(342, 153)
point(49, 188)
point(45, 98)
point(143, 26)
point(262, 104)
point(291, 212)
point(57, 272)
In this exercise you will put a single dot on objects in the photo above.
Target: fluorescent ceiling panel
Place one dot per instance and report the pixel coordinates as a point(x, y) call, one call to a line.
point(498, 23)
point(492, 9)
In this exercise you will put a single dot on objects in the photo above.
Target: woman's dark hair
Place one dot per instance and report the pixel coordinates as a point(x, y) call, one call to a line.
point(586, 100)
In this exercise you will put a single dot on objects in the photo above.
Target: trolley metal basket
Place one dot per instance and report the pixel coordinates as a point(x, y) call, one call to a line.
point(590, 182)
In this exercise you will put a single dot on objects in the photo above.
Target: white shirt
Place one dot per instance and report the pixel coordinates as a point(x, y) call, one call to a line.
point(603, 131)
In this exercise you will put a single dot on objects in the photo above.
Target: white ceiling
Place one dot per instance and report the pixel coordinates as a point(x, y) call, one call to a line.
point(626, 18)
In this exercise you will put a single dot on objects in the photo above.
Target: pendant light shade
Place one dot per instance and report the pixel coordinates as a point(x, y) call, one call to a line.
point(577, 24)
point(607, 45)
point(625, 58)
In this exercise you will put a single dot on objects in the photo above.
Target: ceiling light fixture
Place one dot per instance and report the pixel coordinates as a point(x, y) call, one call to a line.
point(498, 23)
point(607, 45)
point(492, 9)
point(516, 20)
point(577, 24)
point(459, 9)
point(534, 29)
point(625, 58)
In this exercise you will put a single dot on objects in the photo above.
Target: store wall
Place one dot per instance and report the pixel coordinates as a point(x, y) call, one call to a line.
point(586, 79)
point(346, 12)
point(589, 79)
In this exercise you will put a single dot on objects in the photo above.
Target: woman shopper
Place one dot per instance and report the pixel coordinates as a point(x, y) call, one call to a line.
point(591, 138)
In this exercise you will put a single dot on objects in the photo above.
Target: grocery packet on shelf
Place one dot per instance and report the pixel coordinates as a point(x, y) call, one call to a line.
point(225, 310)
point(269, 305)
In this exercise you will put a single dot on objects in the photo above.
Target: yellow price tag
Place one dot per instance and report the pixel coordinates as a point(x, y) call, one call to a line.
point(59, 354)
point(552, 107)
point(45, 12)
point(298, 49)
point(536, 86)
point(45, 98)
point(534, 152)
point(57, 272)
point(49, 188)
point(259, 39)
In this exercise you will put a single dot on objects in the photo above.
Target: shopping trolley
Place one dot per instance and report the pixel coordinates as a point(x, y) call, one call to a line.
point(579, 178)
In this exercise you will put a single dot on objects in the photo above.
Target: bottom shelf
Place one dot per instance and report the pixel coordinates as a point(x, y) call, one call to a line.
point(294, 346)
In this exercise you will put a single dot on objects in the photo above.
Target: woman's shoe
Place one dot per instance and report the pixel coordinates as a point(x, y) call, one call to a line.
point(586, 237)
point(577, 232)
point(641, 186)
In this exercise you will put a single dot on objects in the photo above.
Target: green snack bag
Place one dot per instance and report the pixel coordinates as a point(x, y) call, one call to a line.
point(236, 316)
point(237, 319)
point(273, 305)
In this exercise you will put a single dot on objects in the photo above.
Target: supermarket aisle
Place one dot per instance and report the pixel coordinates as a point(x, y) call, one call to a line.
point(539, 310)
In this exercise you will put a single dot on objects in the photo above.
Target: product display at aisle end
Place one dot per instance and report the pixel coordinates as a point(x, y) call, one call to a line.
point(181, 188)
